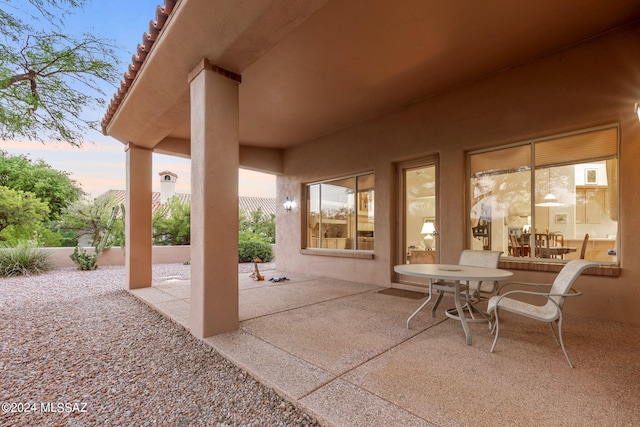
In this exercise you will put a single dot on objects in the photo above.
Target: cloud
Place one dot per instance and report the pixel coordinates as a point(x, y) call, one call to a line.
point(257, 184)
point(102, 166)
point(35, 146)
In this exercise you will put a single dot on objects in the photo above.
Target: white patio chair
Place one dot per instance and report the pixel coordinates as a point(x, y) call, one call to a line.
point(467, 257)
point(473, 258)
point(551, 311)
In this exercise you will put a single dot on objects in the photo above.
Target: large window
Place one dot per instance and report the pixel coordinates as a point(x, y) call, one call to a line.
point(553, 198)
point(340, 213)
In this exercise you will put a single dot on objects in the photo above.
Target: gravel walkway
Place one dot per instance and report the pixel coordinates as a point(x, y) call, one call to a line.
point(78, 350)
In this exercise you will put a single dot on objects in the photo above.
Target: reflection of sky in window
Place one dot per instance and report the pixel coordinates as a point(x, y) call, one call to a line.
point(335, 194)
point(314, 198)
point(335, 197)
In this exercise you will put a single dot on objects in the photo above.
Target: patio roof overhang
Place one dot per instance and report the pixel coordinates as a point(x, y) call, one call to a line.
point(311, 68)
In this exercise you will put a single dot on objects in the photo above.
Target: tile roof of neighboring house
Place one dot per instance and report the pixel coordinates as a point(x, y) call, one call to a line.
point(148, 39)
point(247, 204)
point(250, 204)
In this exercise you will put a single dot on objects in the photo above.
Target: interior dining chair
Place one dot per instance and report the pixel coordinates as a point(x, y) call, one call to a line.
point(557, 239)
point(554, 240)
point(514, 246)
point(551, 310)
point(518, 249)
point(583, 251)
point(542, 245)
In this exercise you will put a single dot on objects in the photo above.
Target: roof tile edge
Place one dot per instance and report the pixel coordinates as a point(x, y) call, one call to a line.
point(137, 60)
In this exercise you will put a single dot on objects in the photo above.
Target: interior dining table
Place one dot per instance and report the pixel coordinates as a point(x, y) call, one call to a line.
point(456, 274)
point(545, 246)
point(555, 251)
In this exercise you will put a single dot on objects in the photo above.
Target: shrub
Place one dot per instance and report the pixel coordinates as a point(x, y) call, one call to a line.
point(24, 259)
point(258, 223)
point(172, 223)
point(251, 245)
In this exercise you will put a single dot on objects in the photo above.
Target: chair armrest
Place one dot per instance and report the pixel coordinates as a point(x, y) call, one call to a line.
point(546, 295)
point(536, 285)
point(542, 294)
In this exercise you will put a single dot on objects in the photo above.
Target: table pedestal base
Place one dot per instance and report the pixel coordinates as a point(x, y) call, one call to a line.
point(468, 310)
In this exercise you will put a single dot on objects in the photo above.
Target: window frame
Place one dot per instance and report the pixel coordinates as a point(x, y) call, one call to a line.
point(355, 252)
point(531, 170)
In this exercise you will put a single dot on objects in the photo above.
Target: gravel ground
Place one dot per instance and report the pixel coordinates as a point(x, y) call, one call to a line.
point(77, 350)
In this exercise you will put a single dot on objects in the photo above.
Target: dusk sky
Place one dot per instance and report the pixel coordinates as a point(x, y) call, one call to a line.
point(100, 164)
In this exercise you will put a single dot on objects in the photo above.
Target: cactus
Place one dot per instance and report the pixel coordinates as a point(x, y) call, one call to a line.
point(87, 261)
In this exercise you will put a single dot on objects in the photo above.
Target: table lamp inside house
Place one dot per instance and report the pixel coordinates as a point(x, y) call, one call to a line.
point(429, 231)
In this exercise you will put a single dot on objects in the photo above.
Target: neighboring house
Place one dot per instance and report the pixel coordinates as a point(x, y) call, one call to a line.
point(168, 190)
point(378, 117)
point(250, 204)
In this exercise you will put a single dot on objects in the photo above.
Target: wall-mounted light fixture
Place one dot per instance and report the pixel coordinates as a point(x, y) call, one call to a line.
point(288, 204)
point(636, 109)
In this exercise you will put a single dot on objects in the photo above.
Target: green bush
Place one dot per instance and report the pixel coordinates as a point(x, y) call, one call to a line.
point(251, 245)
point(172, 223)
point(258, 223)
point(23, 259)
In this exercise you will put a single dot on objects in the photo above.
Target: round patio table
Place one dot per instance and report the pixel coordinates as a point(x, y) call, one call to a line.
point(456, 274)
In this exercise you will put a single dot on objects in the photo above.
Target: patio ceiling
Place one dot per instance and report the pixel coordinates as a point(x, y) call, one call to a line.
point(311, 68)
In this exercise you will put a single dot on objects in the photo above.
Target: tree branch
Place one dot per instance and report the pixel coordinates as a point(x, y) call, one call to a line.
point(18, 78)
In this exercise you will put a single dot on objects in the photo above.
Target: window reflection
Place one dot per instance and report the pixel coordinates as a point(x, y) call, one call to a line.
point(544, 205)
point(340, 213)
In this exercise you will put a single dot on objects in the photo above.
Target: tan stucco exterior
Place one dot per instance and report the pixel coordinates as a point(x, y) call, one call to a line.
point(214, 195)
point(115, 255)
point(591, 84)
point(138, 217)
point(317, 90)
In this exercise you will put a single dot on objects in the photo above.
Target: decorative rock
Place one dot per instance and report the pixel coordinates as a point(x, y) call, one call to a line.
point(77, 338)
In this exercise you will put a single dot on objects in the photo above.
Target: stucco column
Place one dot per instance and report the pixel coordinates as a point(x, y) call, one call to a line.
point(138, 217)
point(214, 200)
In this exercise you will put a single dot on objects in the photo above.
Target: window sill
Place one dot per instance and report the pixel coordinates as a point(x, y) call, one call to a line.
point(338, 253)
point(555, 267)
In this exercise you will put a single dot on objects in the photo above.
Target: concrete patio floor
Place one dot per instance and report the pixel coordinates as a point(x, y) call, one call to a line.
point(341, 351)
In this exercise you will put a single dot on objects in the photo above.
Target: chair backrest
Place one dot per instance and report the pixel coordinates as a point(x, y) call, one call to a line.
point(567, 277)
point(584, 246)
point(479, 259)
point(515, 245)
point(542, 245)
point(557, 239)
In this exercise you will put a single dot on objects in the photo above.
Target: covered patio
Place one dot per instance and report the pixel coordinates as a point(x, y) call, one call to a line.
point(347, 95)
point(345, 98)
point(340, 350)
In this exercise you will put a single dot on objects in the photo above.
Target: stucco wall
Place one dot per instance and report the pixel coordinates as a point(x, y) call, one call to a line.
point(591, 84)
point(115, 255)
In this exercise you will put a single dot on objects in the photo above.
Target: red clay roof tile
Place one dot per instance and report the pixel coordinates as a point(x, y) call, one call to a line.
point(247, 204)
point(148, 39)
